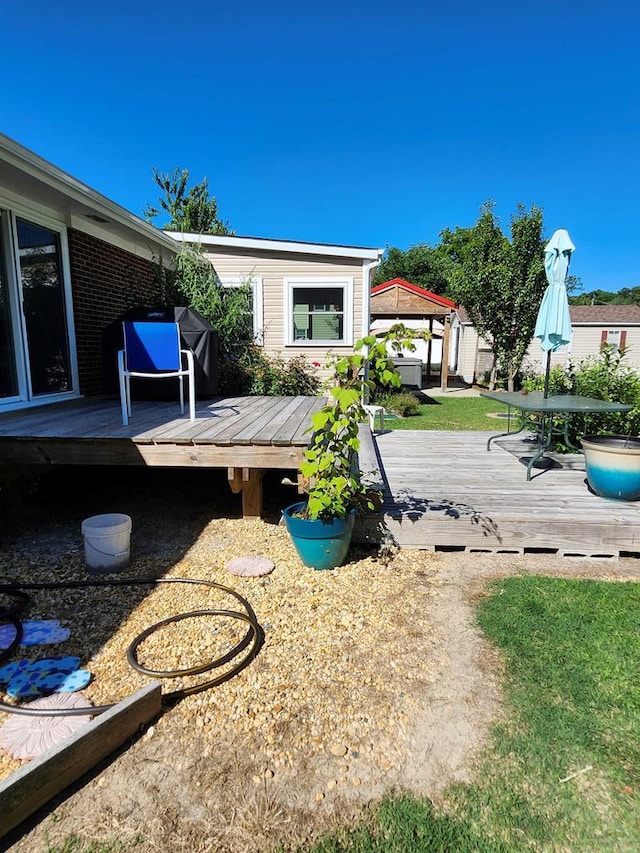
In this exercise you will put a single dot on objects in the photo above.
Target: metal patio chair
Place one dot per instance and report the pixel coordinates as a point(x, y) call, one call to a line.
point(152, 351)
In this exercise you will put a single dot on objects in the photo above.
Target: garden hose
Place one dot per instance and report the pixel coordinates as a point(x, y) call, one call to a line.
point(252, 639)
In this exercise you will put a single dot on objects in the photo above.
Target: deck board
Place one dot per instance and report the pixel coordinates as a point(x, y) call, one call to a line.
point(254, 433)
point(441, 489)
point(445, 490)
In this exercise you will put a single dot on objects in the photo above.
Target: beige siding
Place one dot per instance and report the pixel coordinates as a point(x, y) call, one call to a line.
point(474, 355)
point(586, 342)
point(273, 269)
point(536, 359)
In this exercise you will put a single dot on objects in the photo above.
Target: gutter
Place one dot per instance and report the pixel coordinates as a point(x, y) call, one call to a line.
point(367, 268)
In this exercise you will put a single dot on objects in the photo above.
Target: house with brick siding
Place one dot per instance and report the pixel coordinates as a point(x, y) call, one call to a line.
point(71, 262)
point(591, 325)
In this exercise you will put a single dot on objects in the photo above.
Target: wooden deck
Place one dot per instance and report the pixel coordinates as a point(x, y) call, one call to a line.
point(245, 435)
point(444, 491)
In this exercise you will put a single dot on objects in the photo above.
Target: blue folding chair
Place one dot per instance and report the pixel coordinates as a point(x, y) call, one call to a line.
point(152, 351)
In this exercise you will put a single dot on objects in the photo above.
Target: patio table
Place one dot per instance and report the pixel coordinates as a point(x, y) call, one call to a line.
point(556, 406)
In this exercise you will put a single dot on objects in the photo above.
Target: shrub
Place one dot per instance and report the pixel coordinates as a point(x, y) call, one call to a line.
point(404, 403)
point(255, 373)
point(228, 309)
point(605, 376)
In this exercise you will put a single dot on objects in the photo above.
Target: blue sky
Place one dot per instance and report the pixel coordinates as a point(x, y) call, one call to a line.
point(360, 123)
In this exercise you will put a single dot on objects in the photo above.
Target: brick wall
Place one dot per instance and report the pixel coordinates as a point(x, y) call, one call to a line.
point(106, 281)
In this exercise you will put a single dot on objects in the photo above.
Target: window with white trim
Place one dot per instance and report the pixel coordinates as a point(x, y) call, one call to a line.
point(613, 337)
point(255, 283)
point(319, 311)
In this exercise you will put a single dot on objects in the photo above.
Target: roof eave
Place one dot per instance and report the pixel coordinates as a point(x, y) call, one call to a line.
point(268, 245)
point(42, 170)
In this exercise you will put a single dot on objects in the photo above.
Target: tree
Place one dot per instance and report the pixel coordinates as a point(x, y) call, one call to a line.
point(420, 264)
point(191, 211)
point(625, 296)
point(228, 309)
point(500, 282)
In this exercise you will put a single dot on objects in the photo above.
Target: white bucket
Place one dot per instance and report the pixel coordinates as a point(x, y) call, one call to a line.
point(107, 541)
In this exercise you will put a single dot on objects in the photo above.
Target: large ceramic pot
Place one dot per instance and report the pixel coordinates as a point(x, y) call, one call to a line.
point(613, 465)
point(320, 544)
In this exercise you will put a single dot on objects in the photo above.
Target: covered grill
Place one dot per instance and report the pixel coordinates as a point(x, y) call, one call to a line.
point(196, 334)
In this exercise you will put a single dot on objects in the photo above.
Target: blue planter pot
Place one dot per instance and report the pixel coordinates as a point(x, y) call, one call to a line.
point(613, 466)
point(320, 544)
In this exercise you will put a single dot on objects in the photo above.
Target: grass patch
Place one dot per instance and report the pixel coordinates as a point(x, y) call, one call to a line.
point(562, 772)
point(461, 413)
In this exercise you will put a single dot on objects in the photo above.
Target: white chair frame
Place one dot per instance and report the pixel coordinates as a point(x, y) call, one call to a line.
point(125, 376)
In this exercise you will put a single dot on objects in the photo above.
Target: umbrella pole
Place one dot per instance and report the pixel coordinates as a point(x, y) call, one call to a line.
point(546, 375)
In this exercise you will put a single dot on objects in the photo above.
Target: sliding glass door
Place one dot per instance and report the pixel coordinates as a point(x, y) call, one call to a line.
point(8, 375)
point(34, 316)
point(43, 306)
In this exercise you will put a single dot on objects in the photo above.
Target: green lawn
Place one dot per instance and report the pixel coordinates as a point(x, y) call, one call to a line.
point(562, 772)
point(447, 413)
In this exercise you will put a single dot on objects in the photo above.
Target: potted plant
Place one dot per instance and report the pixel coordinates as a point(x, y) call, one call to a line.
point(612, 463)
point(321, 526)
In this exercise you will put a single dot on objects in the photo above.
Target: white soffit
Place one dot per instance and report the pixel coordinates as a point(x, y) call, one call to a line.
point(267, 245)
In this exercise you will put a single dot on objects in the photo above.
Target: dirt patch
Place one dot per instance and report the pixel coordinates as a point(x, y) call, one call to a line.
point(373, 677)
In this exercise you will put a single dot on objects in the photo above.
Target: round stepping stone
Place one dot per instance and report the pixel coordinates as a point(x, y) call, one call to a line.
point(27, 737)
point(250, 567)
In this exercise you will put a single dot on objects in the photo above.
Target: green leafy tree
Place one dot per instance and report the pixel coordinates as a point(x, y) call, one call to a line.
point(420, 264)
point(499, 281)
point(228, 309)
point(625, 296)
point(192, 211)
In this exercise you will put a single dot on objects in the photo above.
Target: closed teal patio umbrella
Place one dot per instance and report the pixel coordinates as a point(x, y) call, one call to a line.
point(553, 325)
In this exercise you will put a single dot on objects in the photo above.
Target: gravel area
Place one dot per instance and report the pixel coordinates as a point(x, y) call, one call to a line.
point(320, 720)
point(372, 677)
point(328, 679)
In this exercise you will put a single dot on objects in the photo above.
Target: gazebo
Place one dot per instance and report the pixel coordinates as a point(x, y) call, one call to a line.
point(398, 300)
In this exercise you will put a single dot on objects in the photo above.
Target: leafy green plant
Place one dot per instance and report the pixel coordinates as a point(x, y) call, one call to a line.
point(605, 376)
point(253, 372)
point(500, 282)
point(334, 484)
point(404, 404)
point(191, 211)
point(228, 309)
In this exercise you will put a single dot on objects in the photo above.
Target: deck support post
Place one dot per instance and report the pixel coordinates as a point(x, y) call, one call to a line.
point(249, 482)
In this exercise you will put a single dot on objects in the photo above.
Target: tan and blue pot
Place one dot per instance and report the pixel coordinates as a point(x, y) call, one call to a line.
point(613, 465)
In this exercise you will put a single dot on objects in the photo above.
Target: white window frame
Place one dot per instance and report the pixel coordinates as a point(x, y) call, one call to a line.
point(344, 283)
point(258, 302)
point(613, 337)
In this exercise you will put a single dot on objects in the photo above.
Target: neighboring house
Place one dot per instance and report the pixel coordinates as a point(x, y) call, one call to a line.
point(591, 325)
point(71, 262)
point(309, 299)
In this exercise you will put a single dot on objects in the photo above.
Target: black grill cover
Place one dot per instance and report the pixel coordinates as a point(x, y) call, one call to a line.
point(196, 334)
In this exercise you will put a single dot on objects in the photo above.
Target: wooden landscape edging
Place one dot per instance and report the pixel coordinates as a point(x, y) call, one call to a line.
point(27, 789)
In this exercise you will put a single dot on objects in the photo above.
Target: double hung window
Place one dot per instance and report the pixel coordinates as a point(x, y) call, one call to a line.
point(319, 311)
point(615, 337)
